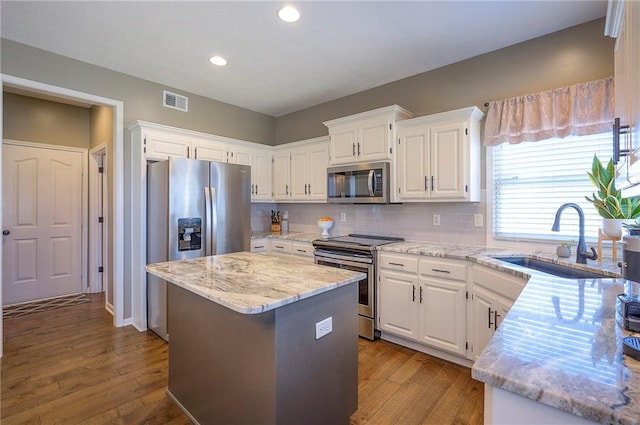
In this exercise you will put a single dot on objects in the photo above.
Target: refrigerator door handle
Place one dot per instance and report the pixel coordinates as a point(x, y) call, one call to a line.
point(213, 233)
point(207, 220)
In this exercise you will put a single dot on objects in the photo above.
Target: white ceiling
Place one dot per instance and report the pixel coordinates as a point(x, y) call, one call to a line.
point(336, 49)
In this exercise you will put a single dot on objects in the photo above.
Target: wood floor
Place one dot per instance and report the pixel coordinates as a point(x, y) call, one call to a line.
point(71, 366)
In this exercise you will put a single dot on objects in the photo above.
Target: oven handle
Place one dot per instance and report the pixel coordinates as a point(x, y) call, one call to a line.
point(343, 262)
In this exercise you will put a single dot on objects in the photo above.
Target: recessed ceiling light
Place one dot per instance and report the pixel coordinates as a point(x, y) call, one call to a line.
point(289, 14)
point(218, 60)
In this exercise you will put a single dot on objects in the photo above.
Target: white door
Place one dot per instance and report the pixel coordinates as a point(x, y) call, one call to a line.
point(398, 303)
point(317, 171)
point(42, 210)
point(447, 166)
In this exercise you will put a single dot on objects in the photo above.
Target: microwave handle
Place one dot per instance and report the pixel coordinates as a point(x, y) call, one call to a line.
point(372, 183)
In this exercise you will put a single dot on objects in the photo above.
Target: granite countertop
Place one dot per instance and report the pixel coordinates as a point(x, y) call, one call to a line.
point(251, 283)
point(290, 236)
point(560, 344)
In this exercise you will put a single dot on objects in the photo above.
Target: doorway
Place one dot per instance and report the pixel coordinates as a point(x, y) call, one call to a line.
point(116, 248)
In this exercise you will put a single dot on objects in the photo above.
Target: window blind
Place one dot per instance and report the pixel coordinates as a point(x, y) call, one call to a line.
point(532, 179)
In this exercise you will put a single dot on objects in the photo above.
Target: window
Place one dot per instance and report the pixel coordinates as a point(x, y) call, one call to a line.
point(532, 179)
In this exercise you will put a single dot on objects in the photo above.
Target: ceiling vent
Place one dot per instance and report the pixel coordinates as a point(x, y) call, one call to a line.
point(175, 101)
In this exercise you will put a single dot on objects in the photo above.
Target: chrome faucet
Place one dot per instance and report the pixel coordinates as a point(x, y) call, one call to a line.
point(582, 255)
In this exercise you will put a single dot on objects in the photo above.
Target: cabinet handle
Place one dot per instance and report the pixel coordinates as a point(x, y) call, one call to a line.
point(309, 188)
point(353, 149)
point(188, 151)
point(617, 131)
point(279, 246)
point(256, 188)
point(396, 264)
point(440, 271)
point(495, 319)
point(358, 148)
point(195, 153)
point(426, 183)
point(421, 295)
point(305, 189)
point(258, 247)
point(286, 189)
point(433, 183)
point(301, 250)
point(489, 308)
point(252, 189)
point(414, 293)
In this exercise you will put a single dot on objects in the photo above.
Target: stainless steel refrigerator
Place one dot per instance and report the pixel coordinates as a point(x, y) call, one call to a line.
point(194, 209)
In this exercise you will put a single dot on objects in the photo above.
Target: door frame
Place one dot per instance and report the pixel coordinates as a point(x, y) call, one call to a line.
point(117, 209)
point(98, 242)
point(84, 234)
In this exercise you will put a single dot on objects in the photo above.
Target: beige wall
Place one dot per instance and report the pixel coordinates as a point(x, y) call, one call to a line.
point(42, 121)
point(101, 125)
point(142, 98)
point(580, 53)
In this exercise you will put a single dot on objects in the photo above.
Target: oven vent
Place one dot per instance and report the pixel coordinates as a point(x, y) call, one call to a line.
point(175, 101)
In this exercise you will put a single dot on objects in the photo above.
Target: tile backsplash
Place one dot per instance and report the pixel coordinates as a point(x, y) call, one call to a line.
point(412, 221)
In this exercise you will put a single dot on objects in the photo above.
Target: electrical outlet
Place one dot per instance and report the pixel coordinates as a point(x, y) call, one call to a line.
point(478, 220)
point(343, 217)
point(324, 327)
point(436, 219)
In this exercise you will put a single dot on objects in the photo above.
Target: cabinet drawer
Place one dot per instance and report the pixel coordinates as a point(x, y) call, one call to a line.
point(280, 247)
point(302, 248)
point(444, 268)
point(399, 262)
point(259, 245)
point(502, 283)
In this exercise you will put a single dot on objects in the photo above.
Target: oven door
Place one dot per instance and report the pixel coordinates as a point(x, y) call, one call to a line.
point(365, 286)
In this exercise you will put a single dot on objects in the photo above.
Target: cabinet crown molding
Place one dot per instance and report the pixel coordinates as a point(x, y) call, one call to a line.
point(395, 111)
point(462, 114)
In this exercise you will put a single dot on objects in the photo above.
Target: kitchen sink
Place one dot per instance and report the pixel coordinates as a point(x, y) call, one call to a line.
point(552, 268)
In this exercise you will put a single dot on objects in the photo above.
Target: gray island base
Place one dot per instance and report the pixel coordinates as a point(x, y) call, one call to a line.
point(230, 367)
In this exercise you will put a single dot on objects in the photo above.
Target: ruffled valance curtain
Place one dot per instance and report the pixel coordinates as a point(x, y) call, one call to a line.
point(578, 110)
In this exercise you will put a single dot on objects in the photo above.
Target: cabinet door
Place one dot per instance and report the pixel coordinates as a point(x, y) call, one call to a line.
point(443, 314)
point(160, 146)
point(241, 157)
point(483, 319)
point(447, 162)
point(281, 170)
point(260, 245)
point(398, 308)
point(261, 176)
point(413, 166)
point(299, 184)
point(343, 145)
point(209, 151)
point(318, 160)
point(372, 143)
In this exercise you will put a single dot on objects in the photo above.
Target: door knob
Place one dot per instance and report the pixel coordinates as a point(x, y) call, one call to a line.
point(6, 232)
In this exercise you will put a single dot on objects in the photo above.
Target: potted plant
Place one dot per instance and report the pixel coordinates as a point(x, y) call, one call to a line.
point(611, 206)
point(564, 250)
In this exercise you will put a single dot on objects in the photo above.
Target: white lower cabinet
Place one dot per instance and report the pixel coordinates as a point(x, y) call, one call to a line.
point(275, 246)
point(260, 245)
point(427, 303)
point(492, 295)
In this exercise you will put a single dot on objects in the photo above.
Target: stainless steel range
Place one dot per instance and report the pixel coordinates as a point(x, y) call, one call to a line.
point(358, 253)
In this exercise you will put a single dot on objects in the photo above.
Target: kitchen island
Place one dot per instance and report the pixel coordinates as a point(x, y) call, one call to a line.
point(243, 346)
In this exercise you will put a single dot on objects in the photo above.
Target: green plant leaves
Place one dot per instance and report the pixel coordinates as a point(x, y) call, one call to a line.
point(608, 200)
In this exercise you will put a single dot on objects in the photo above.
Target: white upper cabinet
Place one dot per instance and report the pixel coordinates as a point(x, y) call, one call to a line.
point(261, 175)
point(281, 175)
point(438, 157)
point(300, 171)
point(159, 142)
point(364, 137)
point(626, 13)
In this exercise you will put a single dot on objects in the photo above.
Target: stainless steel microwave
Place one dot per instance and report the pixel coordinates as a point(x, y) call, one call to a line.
point(366, 183)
